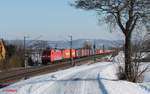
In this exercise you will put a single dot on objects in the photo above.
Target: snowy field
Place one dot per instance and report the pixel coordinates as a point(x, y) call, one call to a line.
point(98, 78)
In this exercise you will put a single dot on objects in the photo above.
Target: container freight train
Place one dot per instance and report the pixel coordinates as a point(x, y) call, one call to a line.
point(52, 55)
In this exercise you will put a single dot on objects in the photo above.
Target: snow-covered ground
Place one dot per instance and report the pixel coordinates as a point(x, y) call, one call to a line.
point(98, 78)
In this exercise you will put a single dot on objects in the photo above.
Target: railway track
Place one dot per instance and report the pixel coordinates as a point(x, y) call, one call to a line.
point(9, 77)
point(15, 75)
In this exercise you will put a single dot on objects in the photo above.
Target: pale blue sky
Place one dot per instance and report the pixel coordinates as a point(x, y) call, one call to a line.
point(53, 19)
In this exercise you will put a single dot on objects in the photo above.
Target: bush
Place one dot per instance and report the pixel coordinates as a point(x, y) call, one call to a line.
point(4, 65)
point(121, 73)
point(15, 61)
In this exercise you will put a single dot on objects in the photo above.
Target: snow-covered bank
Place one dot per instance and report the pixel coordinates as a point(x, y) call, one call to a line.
point(99, 78)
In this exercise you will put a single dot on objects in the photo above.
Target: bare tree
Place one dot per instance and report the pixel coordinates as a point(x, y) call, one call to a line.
point(87, 45)
point(146, 43)
point(34, 51)
point(138, 65)
point(125, 14)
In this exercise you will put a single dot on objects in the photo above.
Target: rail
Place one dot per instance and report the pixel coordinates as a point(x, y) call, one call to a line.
point(13, 76)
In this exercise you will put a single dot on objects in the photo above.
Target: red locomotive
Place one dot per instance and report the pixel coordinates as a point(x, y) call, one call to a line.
point(52, 55)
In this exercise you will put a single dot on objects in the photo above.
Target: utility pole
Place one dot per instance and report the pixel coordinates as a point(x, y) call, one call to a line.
point(25, 56)
point(94, 47)
point(71, 50)
point(55, 46)
point(25, 62)
point(103, 48)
